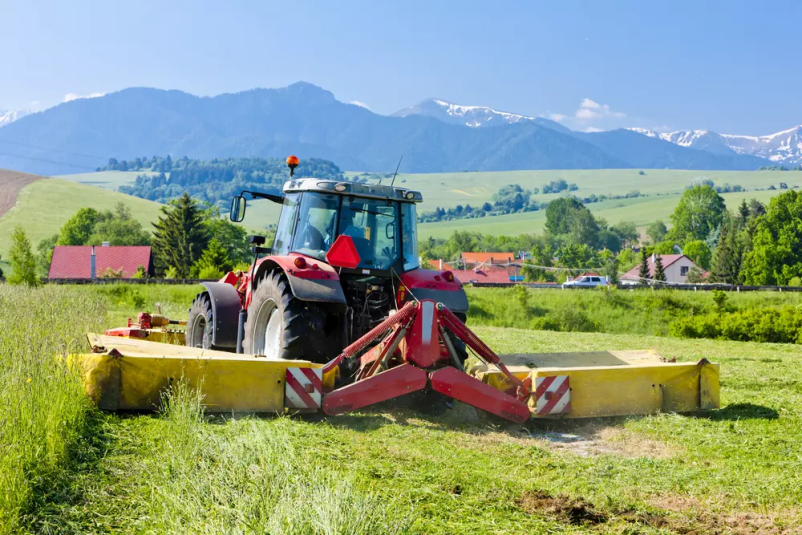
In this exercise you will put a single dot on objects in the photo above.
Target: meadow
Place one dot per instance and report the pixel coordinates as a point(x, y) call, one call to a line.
point(45, 205)
point(661, 187)
point(390, 470)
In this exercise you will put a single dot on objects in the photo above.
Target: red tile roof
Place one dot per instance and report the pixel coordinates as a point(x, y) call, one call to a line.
point(491, 275)
point(667, 260)
point(494, 258)
point(74, 261)
point(435, 264)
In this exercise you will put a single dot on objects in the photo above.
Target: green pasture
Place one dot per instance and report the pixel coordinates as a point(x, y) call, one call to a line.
point(386, 469)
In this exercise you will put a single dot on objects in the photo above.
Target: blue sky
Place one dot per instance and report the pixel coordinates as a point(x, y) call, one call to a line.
point(729, 66)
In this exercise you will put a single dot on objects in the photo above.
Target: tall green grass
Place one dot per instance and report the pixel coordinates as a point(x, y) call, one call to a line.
point(607, 310)
point(198, 475)
point(43, 408)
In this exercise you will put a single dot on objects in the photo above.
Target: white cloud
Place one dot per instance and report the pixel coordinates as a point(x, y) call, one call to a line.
point(360, 104)
point(556, 117)
point(73, 96)
point(591, 129)
point(591, 110)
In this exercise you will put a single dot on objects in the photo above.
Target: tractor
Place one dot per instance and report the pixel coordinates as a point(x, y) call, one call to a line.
point(344, 258)
point(338, 315)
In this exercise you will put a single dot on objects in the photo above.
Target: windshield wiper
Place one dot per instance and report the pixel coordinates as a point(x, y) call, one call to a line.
point(354, 209)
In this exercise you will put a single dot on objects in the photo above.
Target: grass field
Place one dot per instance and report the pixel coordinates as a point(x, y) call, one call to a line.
point(737, 470)
point(44, 206)
point(663, 187)
point(111, 180)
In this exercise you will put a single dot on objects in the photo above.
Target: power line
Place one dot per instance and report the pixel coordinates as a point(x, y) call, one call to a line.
point(43, 160)
point(80, 155)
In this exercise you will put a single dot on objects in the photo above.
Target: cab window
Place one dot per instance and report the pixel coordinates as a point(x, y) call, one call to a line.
point(283, 239)
point(372, 224)
point(317, 217)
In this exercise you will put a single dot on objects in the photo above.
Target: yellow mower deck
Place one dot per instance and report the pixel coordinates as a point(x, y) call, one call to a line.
point(131, 374)
point(611, 383)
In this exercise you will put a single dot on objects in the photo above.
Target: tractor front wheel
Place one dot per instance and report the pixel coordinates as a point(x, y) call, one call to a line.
point(200, 322)
point(280, 326)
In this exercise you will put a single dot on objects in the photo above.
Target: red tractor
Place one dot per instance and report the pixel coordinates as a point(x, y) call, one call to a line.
point(344, 258)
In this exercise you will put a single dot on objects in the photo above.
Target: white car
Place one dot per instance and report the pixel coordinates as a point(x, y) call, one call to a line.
point(586, 281)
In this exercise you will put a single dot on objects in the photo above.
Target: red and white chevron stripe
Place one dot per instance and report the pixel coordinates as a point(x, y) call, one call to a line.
point(303, 388)
point(553, 395)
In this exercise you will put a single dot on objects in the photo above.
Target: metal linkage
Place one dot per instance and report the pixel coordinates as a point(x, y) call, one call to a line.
point(422, 365)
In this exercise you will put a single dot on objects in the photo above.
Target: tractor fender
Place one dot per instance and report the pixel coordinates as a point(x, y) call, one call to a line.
point(226, 305)
point(317, 281)
point(430, 284)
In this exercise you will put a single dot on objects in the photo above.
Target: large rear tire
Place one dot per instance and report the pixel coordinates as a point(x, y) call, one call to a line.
point(200, 322)
point(281, 326)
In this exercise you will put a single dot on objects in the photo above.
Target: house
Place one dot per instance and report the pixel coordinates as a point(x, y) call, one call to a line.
point(675, 266)
point(473, 260)
point(488, 275)
point(438, 264)
point(91, 261)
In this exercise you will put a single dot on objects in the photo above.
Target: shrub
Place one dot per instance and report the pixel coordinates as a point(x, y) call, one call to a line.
point(781, 325)
point(568, 320)
point(210, 272)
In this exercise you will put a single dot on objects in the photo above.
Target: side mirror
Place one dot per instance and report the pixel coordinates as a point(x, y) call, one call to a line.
point(237, 213)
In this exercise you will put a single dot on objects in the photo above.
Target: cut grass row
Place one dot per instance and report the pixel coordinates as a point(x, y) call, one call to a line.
point(394, 470)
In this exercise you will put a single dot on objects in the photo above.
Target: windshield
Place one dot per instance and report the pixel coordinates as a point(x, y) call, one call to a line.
point(314, 232)
point(373, 225)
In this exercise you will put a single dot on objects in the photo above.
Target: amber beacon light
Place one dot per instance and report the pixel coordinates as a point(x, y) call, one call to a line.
point(292, 163)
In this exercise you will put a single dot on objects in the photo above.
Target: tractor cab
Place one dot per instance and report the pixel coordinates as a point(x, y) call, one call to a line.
point(379, 220)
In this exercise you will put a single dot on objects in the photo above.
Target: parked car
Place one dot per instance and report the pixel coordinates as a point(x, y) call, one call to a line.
point(586, 281)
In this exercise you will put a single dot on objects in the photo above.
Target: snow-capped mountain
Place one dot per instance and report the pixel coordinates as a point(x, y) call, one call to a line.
point(782, 148)
point(473, 116)
point(9, 116)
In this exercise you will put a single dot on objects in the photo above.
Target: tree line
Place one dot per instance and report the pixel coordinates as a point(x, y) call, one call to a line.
point(214, 181)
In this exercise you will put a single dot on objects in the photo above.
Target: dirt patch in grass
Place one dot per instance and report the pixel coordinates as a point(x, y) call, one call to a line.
point(11, 182)
point(677, 515)
point(571, 510)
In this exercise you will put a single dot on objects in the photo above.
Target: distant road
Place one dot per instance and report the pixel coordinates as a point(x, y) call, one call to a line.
point(11, 182)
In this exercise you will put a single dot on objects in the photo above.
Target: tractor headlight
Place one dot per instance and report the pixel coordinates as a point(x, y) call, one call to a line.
point(410, 195)
point(341, 187)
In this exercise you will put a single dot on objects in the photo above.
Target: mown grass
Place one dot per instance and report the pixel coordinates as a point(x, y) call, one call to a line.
point(43, 411)
point(393, 470)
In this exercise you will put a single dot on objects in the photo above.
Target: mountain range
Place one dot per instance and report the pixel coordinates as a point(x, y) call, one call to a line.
point(303, 119)
point(781, 148)
point(9, 116)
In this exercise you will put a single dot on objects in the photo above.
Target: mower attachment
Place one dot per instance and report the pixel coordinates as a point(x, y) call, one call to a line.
point(414, 353)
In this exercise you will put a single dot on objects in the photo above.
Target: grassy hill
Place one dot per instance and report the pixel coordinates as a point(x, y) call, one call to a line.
point(662, 189)
point(44, 206)
point(110, 180)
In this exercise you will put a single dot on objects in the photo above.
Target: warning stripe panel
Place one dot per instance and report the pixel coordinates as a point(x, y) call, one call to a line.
point(553, 394)
point(303, 388)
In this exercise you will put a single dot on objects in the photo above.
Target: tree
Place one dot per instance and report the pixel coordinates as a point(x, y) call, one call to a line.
point(560, 214)
point(23, 263)
point(657, 231)
point(233, 238)
point(78, 228)
point(118, 228)
point(776, 255)
point(180, 237)
point(643, 270)
point(44, 254)
point(584, 228)
point(699, 252)
point(664, 247)
point(696, 275)
point(627, 259)
point(214, 257)
point(577, 256)
point(721, 270)
point(611, 270)
point(627, 232)
point(700, 210)
point(659, 272)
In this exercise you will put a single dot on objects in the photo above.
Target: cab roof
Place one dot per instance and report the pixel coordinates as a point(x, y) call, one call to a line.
point(357, 189)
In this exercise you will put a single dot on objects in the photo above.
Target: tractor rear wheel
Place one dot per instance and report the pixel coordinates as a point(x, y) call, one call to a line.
point(200, 322)
point(281, 326)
